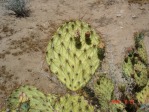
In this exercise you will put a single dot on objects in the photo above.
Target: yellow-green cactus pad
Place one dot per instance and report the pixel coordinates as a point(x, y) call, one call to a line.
point(127, 67)
point(141, 49)
point(103, 90)
point(28, 99)
point(143, 96)
point(73, 53)
point(135, 63)
point(73, 103)
point(52, 98)
point(141, 74)
point(116, 107)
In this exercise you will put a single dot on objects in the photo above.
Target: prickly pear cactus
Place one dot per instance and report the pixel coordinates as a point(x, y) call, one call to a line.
point(135, 66)
point(28, 99)
point(73, 53)
point(103, 90)
point(135, 62)
point(141, 74)
point(73, 103)
point(143, 96)
point(140, 47)
point(127, 67)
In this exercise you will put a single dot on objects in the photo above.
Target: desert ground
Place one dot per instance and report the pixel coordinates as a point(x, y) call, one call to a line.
point(23, 41)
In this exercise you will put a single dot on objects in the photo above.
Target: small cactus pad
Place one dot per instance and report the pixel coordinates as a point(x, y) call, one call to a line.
point(141, 74)
point(73, 54)
point(73, 103)
point(143, 96)
point(140, 47)
point(117, 107)
point(28, 99)
point(103, 90)
point(127, 67)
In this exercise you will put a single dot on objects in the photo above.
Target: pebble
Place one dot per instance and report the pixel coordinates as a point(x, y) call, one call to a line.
point(118, 15)
point(134, 16)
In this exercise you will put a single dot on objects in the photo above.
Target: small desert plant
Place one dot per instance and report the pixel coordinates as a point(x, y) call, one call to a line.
point(19, 7)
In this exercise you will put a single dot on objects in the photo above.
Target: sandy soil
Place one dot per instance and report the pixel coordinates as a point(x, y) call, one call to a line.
point(23, 41)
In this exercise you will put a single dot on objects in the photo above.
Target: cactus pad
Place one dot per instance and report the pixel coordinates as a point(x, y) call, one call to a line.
point(127, 67)
point(28, 99)
point(141, 74)
point(143, 96)
point(73, 53)
point(73, 103)
point(140, 47)
point(116, 107)
point(135, 62)
point(103, 90)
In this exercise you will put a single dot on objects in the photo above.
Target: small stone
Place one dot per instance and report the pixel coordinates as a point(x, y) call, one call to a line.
point(134, 16)
point(118, 15)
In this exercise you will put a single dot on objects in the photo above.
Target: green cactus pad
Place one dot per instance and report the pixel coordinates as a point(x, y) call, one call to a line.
point(52, 98)
point(73, 103)
point(103, 90)
point(127, 67)
point(28, 99)
point(135, 62)
point(73, 54)
point(141, 49)
point(116, 107)
point(141, 74)
point(143, 96)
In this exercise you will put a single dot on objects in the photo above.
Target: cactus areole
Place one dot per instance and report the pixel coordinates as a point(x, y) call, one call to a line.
point(73, 53)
